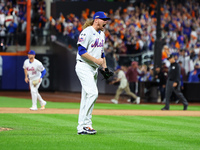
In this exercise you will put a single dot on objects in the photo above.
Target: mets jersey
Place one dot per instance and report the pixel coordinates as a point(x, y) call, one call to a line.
point(93, 41)
point(34, 69)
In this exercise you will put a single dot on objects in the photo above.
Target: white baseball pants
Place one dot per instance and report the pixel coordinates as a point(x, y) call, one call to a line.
point(35, 94)
point(88, 78)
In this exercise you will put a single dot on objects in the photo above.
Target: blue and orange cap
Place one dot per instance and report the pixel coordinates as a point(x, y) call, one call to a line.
point(100, 15)
point(118, 67)
point(31, 52)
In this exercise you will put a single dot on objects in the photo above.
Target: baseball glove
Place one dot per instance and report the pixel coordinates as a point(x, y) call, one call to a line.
point(35, 82)
point(106, 73)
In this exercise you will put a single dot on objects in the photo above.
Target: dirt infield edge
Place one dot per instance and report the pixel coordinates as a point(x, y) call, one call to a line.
point(104, 112)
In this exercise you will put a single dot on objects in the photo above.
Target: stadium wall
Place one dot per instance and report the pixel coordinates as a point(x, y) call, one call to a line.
point(66, 78)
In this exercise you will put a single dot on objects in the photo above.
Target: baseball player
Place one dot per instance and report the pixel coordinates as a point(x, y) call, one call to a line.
point(90, 57)
point(34, 72)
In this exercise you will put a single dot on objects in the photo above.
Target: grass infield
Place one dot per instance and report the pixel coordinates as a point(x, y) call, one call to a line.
point(58, 131)
point(26, 103)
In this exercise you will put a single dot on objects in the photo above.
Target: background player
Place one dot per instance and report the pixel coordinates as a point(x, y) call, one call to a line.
point(34, 70)
point(89, 57)
point(123, 86)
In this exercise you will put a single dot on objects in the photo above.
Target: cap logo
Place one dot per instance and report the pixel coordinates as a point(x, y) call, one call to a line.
point(97, 17)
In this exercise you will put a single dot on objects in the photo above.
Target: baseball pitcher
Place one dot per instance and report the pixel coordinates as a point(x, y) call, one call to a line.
point(90, 57)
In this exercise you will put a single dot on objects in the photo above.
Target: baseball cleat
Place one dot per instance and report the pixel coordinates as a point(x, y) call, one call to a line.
point(114, 101)
point(89, 130)
point(82, 133)
point(138, 100)
point(43, 106)
point(129, 100)
point(32, 108)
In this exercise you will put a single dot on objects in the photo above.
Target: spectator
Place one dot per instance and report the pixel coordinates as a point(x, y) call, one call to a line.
point(132, 75)
point(183, 73)
point(165, 55)
point(197, 60)
point(9, 18)
point(2, 18)
point(21, 32)
point(186, 61)
point(194, 76)
point(193, 38)
point(2, 34)
point(11, 33)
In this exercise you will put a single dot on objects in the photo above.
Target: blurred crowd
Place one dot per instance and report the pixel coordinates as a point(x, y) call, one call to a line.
point(13, 21)
point(133, 29)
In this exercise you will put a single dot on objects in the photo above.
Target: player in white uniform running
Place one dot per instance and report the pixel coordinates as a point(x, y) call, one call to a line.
point(90, 56)
point(34, 70)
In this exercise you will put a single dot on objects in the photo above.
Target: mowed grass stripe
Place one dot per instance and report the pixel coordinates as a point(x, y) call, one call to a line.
point(149, 128)
point(47, 131)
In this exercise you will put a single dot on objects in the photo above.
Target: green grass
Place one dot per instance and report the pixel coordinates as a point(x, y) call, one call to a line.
point(26, 103)
point(58, 131)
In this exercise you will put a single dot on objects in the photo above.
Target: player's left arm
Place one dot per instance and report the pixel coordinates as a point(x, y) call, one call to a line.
point(104, 65)
point(43, 73)
point(42, 70)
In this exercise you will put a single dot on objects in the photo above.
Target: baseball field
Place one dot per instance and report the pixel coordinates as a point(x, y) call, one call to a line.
point(123, 126)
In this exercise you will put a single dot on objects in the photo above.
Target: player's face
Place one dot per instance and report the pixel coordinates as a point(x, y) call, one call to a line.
point(31, 57)
point(101, 24)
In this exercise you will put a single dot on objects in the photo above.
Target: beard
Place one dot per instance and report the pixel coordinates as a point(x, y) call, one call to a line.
point(101, 27)
point(31, 58)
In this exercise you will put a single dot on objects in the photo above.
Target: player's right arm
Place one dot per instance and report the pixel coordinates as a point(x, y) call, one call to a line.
point(25, 72)
point(26, 76)
point(83, 53)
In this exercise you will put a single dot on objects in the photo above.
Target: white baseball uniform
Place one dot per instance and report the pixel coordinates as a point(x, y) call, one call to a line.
point(34, 70)
point(87, 72)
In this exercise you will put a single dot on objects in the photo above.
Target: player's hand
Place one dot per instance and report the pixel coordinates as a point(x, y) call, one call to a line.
point(99, 61)
point(112, 82)
point(175, 84)
point(26, 80)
